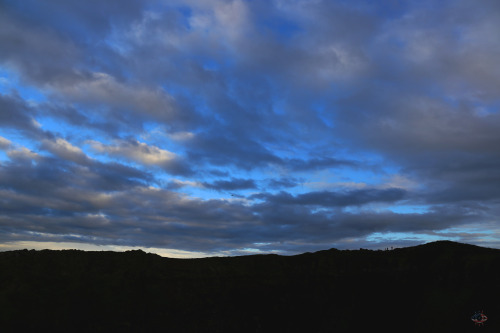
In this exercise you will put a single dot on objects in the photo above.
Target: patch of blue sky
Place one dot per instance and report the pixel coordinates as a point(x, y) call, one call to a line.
point(279, 105)
point(156, 134)
point(186, 11)
point(197, 189)
point(409, 209)
point(324, 113)
point(117, 42)
point(344, 178)
point(211, 65)
point(76, 135)
point(181, 90)
point(97, 156)
point(199, 192)
point(482, 109)
point(251, 250)
point(478, 235)
point(54, 125)
point(477, 230)
point(283, 27)
point(4, 82)
point(11, 83)
point(18, 140)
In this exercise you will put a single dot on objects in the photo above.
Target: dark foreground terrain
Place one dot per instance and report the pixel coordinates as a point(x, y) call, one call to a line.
point(435, 287)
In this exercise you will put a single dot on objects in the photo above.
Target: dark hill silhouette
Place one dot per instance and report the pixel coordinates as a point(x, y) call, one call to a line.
point(435, 287)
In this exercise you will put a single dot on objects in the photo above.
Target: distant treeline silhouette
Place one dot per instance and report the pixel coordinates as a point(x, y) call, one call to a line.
point(435, 287)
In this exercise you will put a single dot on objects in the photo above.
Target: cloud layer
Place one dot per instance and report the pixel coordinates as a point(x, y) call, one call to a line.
point(236, 126)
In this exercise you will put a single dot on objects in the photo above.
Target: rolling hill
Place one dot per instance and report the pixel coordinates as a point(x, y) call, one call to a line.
point(435, 287)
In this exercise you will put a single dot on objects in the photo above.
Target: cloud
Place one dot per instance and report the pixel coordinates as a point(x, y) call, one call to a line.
point(39, 55)
point(144, 154)
point(231, 185)
point(49, 43)
point(227, 149)
point(4, 143)
point(113, 204)
point(282, 182)
point(318, 163)
point(103, 89)
point(176, 184)
point(335, 199)
point(65, 150)
point(18, 115)
point(22, 154)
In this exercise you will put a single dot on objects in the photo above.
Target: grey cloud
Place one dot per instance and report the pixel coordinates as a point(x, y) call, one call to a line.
point(335, 199)
point(39, 55)
point(231, 185)
point(50, 175)
point(318, 163)
point(299, 224)
point(56, 61)
point(102, 88)
point(226, 150)
point(93, 17)
point(16, 114)
point(286, 182)
point(411, 125)
point(65, 150)
point(460, 178)
point(111, 204)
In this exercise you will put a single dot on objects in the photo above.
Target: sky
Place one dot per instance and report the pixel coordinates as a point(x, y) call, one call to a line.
point(193, 128)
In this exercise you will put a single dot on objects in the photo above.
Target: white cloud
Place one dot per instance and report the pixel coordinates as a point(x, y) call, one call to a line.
point(4, 143)
point(22, 153)
point(137, 151)
point(65, 150)
point(182, 136)
point(177, 183)
point(104, 89)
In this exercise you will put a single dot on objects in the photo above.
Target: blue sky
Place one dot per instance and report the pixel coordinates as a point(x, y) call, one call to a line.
point(197, 128)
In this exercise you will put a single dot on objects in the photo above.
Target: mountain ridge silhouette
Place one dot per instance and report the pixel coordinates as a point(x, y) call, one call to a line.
point(434, 287)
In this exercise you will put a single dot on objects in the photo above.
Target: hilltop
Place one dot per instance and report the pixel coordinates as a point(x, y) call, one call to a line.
point(434, 287)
